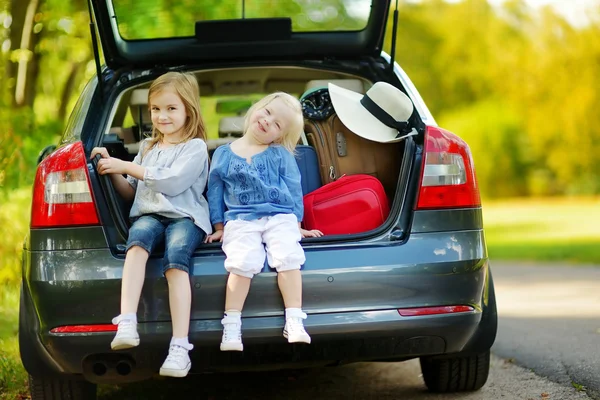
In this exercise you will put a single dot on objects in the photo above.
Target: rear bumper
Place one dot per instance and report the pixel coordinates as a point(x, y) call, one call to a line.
point(336, 338)
point(350, 292)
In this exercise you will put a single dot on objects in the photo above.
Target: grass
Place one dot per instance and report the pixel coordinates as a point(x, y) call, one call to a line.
point(13, 379)
point(561, 230)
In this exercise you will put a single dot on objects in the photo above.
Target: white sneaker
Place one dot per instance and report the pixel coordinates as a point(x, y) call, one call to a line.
point(294, 331)
point(127, 335)
point(177, 364)
point(232, 334)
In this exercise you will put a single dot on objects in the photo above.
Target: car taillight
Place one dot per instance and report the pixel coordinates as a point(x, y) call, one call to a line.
point(447, 176)
point(61, 191)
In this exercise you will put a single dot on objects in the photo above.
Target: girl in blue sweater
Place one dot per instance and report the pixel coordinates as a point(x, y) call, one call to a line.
point(256, 207)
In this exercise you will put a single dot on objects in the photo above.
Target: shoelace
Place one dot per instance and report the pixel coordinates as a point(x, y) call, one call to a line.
point(294, 324)
point(126, 327)
point(231, 332)
point(176, 353)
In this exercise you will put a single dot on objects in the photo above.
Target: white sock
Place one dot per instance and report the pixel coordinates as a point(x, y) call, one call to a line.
point(233, 314)
point(182, 342)
point(292, 312)
point(130, 317)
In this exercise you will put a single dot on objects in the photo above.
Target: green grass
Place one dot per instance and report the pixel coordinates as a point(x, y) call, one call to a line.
point(561, 230)
point(13, 379)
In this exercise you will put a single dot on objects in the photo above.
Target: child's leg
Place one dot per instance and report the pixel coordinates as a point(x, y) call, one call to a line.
point(237, 290)
point(182, 238)
point(134, 272)
point(180, 301)
point(290, 285)
point(242, 244)
point(284, 253)
point(144, 234)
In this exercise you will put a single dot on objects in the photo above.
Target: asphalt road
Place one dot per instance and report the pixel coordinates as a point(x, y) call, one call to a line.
point(550, 321)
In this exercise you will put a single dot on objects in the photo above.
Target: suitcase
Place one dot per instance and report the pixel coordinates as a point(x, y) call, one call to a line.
point(342, 152)
point(308, 164)
point(351, 204)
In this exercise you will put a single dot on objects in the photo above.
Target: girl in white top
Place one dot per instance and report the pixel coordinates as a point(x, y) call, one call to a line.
point(165, 181)
point(256, 208)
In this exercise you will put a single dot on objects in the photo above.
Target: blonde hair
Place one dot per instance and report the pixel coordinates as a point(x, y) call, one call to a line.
point(289, 138)
point(186, 87)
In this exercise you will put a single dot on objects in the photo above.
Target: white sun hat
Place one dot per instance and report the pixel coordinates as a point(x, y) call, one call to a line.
point(381, 115)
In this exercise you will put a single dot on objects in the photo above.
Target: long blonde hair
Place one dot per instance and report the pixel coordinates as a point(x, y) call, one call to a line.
point(186, 87)
point(289, 138)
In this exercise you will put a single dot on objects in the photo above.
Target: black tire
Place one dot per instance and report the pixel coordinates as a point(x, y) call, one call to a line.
point(456, 374)
point(60, 389)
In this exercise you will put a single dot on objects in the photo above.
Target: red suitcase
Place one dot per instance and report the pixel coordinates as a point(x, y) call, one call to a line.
point(351, 204)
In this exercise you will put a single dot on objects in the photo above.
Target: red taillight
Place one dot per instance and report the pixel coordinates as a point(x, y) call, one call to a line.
point(447, 176)
point(84, 328)
point(420, 311)
point(61, 191)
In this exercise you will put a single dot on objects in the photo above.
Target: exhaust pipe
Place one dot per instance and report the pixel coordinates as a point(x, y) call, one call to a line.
point(106, 368)
point(99, 368)
point(123, 368)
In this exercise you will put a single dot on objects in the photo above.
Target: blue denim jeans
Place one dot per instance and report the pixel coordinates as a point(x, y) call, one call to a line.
point(181, 237)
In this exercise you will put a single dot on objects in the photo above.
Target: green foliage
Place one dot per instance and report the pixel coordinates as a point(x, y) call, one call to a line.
point(21, 140)
point(528, 82)
point(14, 219)
point(164, 18)
point(492, 128)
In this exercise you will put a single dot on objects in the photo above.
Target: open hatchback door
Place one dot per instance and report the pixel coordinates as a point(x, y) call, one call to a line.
point(140, 34)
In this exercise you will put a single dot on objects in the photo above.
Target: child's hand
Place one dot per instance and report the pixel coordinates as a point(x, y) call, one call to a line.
point(216, 236)
point(112, 165)
point(100, 150)
point(311, 233)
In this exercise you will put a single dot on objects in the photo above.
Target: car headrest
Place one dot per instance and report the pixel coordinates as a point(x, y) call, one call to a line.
point(139, 97)
point(138, 106)
point(231, 126)
point(356, 85)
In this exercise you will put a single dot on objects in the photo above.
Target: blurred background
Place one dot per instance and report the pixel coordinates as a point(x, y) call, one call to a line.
point(517, 79)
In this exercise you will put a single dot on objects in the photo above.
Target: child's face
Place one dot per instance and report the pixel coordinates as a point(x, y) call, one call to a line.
point(268, 124)
point(168, 114)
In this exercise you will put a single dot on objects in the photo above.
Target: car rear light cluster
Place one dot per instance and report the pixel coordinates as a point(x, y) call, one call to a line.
point(62, 193)
point(421, 311)
point(84, 328)
point(447, 176)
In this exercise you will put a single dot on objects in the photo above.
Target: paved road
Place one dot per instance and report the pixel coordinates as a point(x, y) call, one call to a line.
point(364, 381)
point(550, 321)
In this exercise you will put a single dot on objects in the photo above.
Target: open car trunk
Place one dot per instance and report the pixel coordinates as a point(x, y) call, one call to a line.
point(328, 152)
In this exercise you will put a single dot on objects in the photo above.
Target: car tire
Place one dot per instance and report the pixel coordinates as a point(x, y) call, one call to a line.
point(456, 374)
point(60, 389)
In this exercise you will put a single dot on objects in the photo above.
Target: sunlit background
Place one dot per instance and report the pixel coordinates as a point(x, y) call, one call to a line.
point(517, 79)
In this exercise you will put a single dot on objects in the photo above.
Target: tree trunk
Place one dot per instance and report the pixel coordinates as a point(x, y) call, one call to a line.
point(23, 68)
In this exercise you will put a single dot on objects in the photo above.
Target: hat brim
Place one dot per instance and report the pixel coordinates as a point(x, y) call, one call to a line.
point(356, 118)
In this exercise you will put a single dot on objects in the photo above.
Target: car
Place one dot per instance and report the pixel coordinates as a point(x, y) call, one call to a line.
point(418, 285)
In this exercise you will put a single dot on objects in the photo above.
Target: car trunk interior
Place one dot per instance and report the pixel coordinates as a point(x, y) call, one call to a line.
point(225, 96)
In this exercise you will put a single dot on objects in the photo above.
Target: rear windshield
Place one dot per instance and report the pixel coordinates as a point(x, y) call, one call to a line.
point(153, 19)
